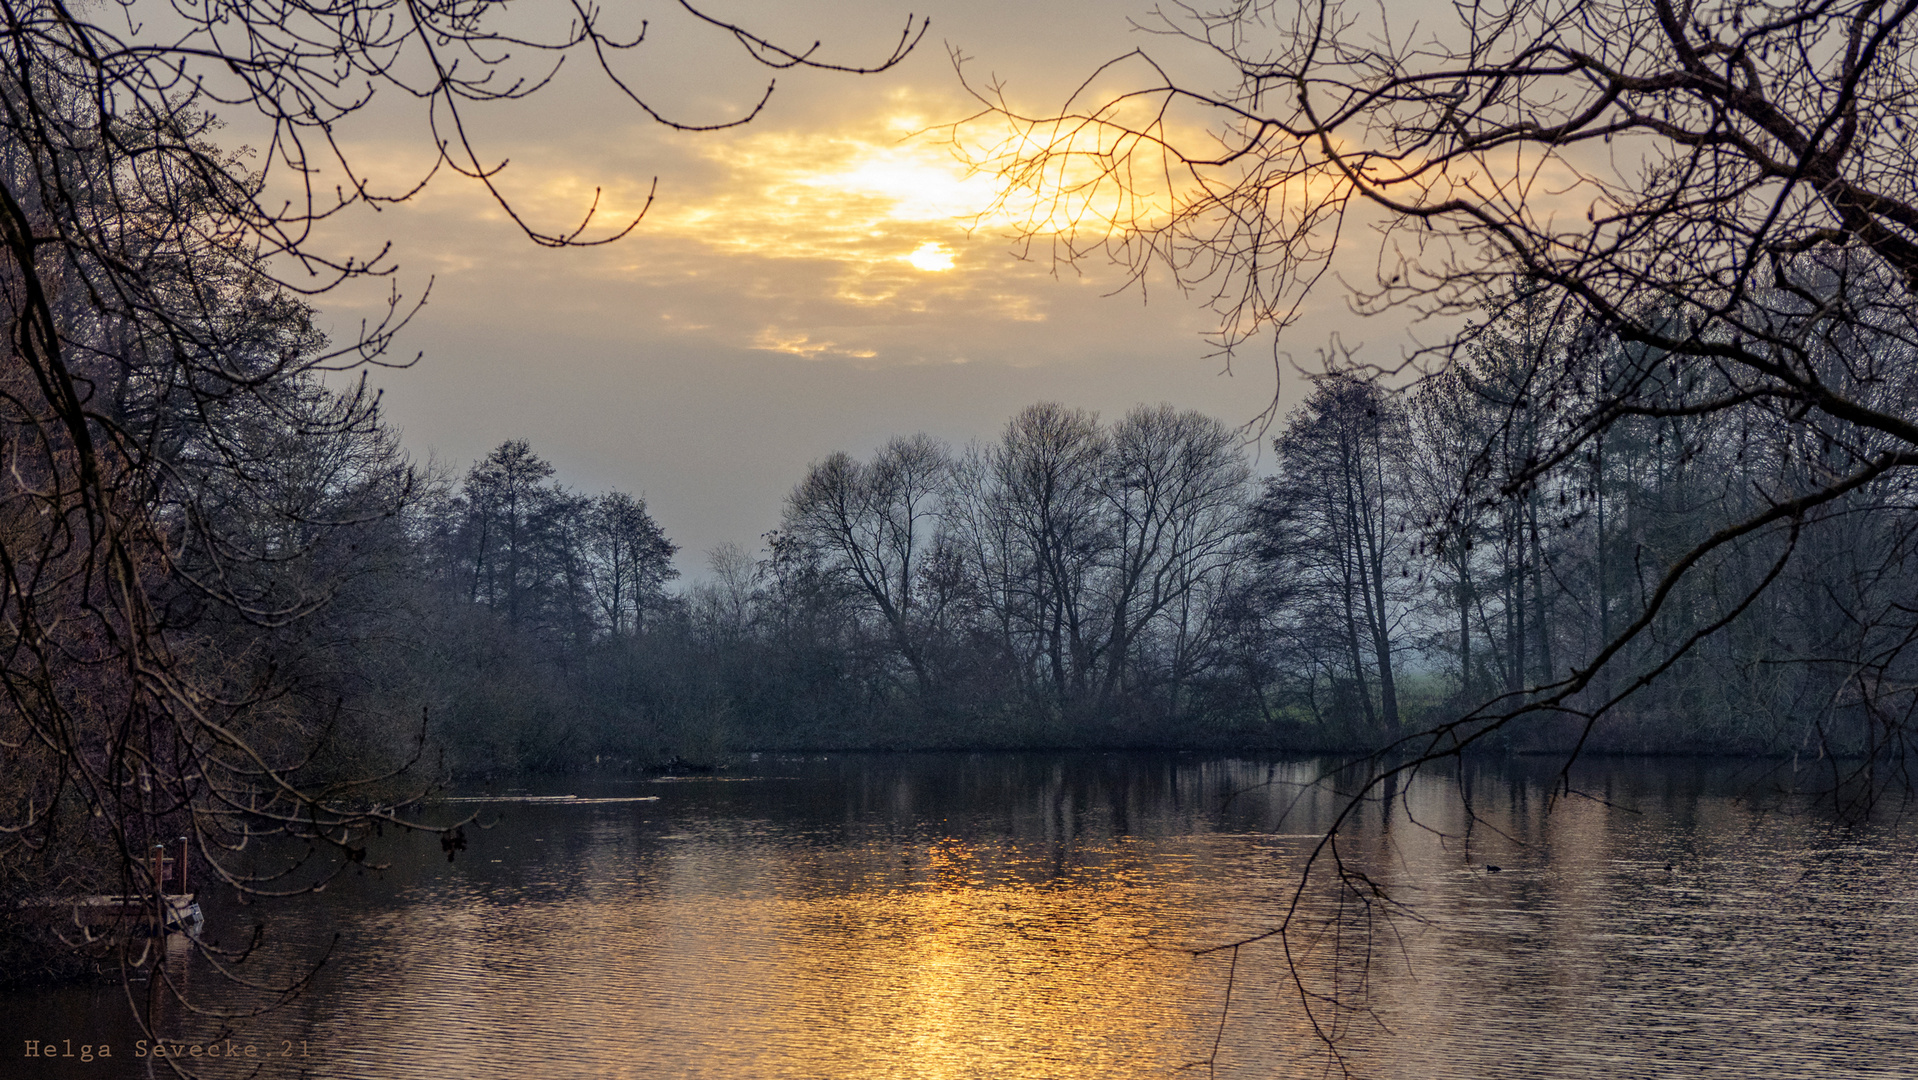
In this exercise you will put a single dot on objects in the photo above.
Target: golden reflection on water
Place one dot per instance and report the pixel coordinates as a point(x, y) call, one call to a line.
point(1024, 920)
point(957, 972)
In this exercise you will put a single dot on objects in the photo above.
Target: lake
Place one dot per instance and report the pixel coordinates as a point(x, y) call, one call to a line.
point(1069, 916)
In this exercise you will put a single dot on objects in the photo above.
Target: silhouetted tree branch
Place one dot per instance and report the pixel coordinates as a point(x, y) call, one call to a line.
point(1702, 221)
point(181, 490)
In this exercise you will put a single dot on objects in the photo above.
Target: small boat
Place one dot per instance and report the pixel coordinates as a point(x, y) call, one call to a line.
point(178, 913)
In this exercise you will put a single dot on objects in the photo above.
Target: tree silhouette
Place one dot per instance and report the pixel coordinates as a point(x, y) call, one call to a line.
point(178, 475)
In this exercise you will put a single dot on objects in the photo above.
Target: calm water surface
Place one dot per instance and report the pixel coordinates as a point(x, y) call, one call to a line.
point(1015, 916)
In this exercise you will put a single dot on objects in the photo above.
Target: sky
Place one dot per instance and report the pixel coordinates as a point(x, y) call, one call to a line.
point(820, 279)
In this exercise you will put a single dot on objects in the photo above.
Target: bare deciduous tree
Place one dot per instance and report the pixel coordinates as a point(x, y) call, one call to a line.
point(876, 525)
point(1333, 518)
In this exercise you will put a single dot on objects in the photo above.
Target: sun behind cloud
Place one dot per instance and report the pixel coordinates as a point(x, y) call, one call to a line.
point(931, 256)
point(845, 237)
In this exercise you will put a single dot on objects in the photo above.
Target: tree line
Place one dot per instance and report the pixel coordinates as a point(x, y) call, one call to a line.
point(1412, 553)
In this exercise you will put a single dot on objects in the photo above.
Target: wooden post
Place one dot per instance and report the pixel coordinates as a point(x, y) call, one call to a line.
point(159, 891)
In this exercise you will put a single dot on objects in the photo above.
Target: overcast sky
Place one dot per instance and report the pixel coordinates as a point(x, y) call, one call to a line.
point(804, 284)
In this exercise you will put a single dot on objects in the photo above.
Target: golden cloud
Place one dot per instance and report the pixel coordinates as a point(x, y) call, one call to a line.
point(844, 239)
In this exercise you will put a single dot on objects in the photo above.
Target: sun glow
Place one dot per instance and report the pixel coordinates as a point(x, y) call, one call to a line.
point(931, 256)
point(844, 238)
point(851, 197)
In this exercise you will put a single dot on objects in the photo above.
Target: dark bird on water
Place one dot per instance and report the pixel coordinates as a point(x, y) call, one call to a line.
point(1490, 869)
